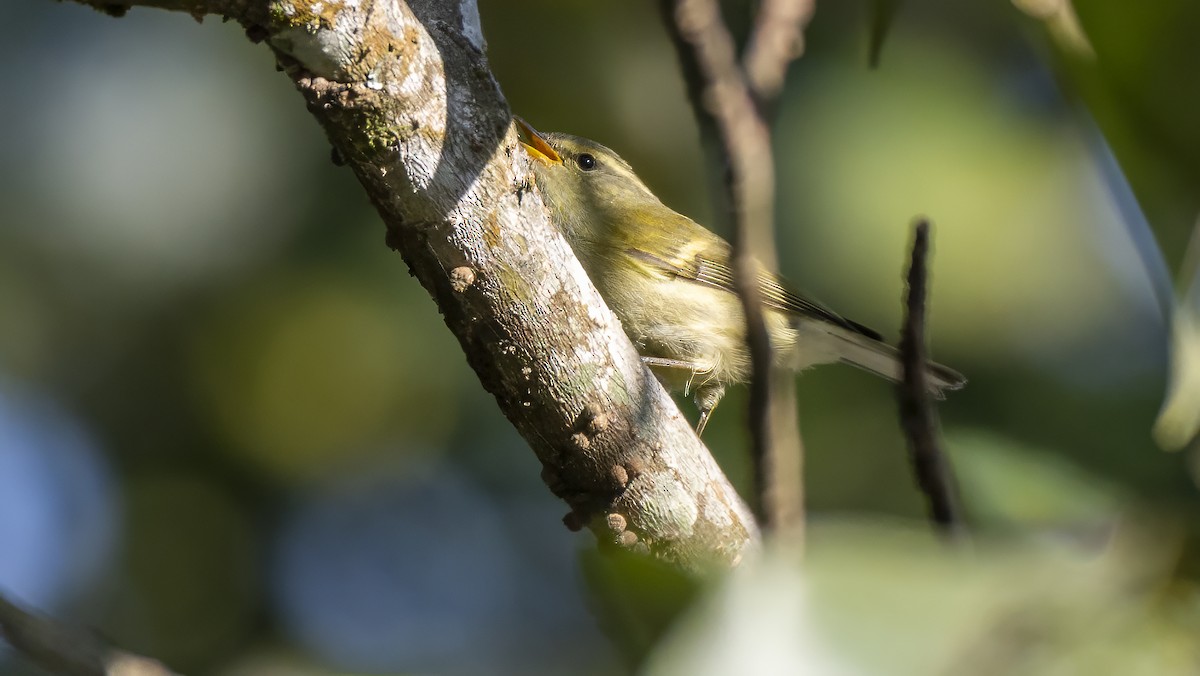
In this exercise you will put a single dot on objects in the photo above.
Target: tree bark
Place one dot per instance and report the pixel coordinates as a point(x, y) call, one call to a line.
point(404, 93)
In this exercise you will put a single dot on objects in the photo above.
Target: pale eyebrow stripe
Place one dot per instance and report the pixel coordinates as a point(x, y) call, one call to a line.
point(619, 166)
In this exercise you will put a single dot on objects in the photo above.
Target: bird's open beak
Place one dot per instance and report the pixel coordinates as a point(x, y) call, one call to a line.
point(534, 144)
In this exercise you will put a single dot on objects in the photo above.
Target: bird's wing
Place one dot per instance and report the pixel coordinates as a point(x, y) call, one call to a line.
point(704, 258)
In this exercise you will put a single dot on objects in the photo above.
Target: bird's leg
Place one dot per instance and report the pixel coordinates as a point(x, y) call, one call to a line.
point(679, 365)
point(707, 398)
point(707, 394)
point(665, 363)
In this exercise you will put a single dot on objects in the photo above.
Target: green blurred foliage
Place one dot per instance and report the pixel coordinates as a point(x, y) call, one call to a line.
point(635, 599)
point(182, 526)
point(1139, 83)
point(884, 598)
point(299, 369)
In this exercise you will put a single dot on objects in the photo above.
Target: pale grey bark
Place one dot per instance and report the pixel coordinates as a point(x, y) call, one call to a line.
point(404, 93)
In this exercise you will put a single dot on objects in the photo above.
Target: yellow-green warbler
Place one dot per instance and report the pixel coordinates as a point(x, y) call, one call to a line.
point(670, 281)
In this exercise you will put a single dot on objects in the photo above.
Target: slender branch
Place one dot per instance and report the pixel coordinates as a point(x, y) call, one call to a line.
point(404, 94)
point(931, 467)
point(725, 106)
point(777, 40)
point(67, 651)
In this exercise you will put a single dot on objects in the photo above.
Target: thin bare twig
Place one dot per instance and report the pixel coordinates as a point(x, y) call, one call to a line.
point(777, 40)
point(930, 465)
point(726, 108)
point(63, 650)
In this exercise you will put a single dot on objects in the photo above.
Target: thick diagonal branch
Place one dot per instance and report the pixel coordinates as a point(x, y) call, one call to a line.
point(405, 96)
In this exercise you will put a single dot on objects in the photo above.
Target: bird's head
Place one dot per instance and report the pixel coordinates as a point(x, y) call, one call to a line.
point(581, 179)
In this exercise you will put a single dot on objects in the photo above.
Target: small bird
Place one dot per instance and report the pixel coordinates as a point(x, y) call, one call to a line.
point(671, 283)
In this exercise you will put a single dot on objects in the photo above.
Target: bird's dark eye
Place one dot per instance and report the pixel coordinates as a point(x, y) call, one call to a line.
point(586, 162)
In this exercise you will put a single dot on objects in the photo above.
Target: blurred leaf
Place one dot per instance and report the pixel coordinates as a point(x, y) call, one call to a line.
point(635, 598)
point(882, 599)
point(1140, 85)
point(1061, 22)
point(1179, 420)
point(1143, 90)
point(190, 593)
point(1004, 481)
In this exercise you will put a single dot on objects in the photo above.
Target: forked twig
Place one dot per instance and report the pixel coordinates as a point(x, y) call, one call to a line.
point(727, 103)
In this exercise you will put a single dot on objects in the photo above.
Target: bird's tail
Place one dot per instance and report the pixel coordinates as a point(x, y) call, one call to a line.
point(876, 356)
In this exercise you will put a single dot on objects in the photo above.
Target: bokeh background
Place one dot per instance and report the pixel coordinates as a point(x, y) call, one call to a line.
point(235, 435)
